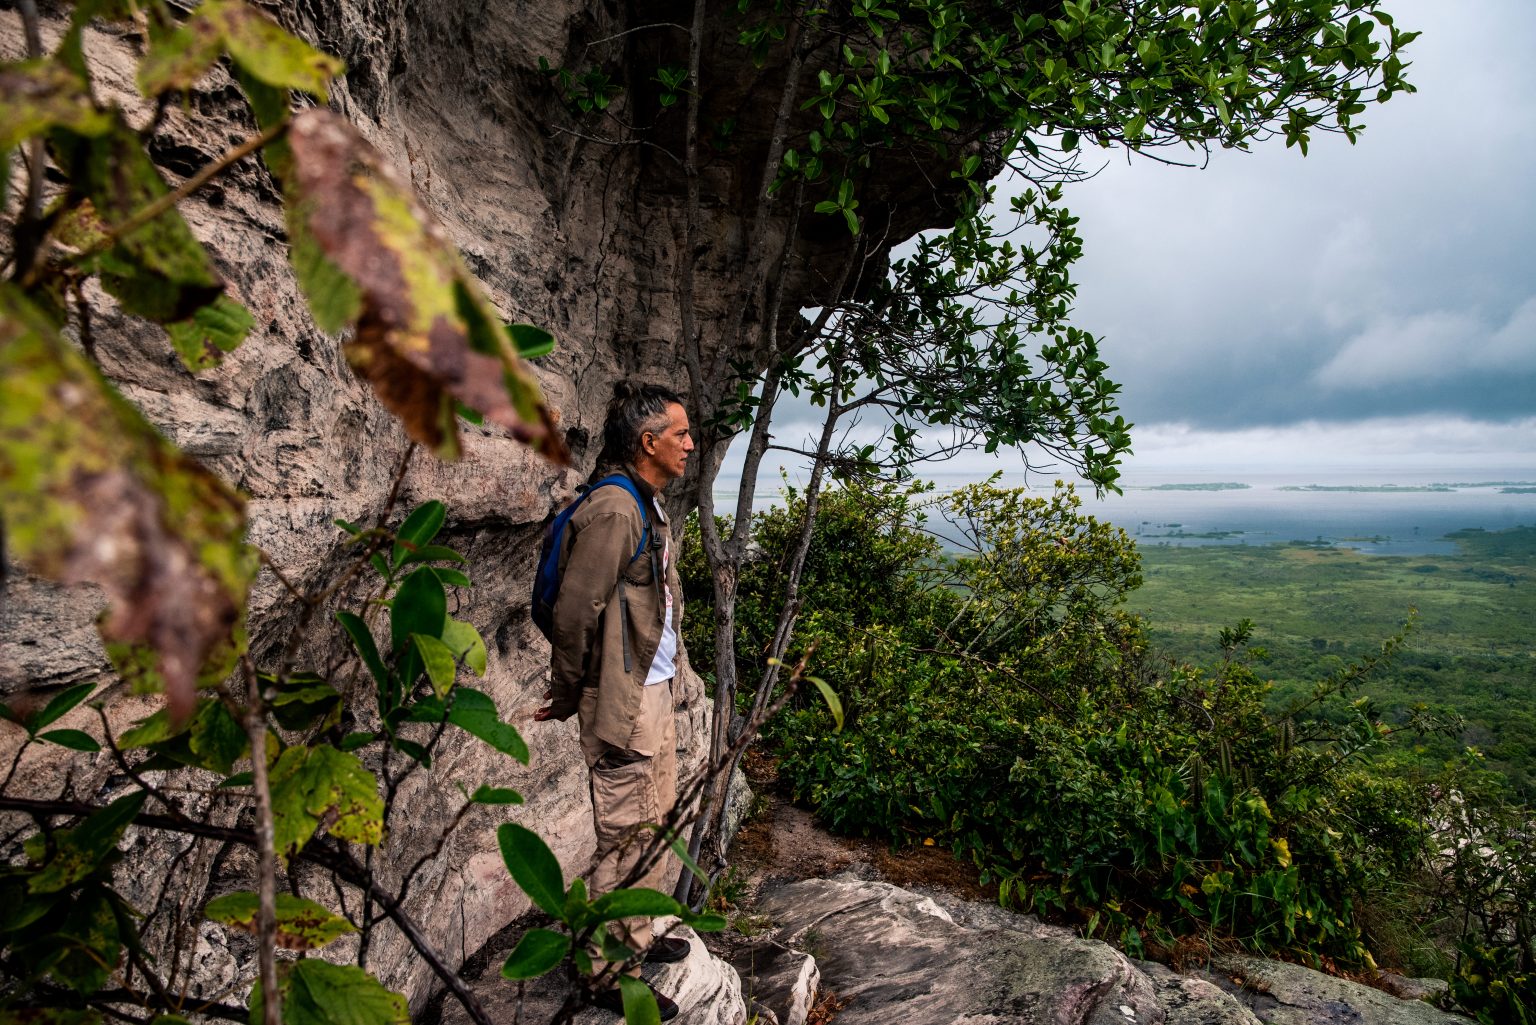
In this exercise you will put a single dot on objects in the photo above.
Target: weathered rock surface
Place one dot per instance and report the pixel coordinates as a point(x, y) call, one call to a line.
point(1288, 994)
point(707, 990)
point(890, 954)
point(887, 951)
point(779, 980)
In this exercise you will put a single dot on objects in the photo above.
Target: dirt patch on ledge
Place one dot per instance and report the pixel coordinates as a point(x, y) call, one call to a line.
point(783, 843)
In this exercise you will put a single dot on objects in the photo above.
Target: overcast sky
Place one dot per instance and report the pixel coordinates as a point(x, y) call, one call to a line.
point(1365, 309)
point(1366, 304)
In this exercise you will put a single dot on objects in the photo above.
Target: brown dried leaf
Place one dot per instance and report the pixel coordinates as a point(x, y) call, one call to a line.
point(426, 335)
point(90, 492)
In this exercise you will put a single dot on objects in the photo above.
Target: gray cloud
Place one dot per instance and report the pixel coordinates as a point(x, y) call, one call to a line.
point(1392, 278)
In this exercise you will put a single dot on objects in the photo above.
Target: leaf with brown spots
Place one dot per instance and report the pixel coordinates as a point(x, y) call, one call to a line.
point(159, 270)
point(426, 335)
point(301, 924)
point(258, 45)
point(89, 491)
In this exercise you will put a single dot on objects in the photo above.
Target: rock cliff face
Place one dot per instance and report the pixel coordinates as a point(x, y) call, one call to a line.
point(565, 230)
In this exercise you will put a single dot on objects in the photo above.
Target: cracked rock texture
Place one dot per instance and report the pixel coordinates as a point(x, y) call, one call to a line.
point(893, 955)
point(707, 990)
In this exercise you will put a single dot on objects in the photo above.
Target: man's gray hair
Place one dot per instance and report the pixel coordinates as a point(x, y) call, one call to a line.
point(634, 410)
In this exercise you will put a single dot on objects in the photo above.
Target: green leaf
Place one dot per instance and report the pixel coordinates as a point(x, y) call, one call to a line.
point(314, 784)
point(680, 849)
point(217, 740)
point(419, 528)
point(475, 713)
point(703, 923)
point(303, 701)
point(36, 96)
point(532, 342)
point(487, 794)
point(87, 943)
point(533, 867)
point(218, 328)
point(639, 1002)
point(74, 739)
point(578, 910)
point(301, 924)
point(537, 951)
point(150, 730)
point(427, 338)
point(466, 643)
point(451, 578)
point(834, 704)
point(362, 641)
point(334, 298)
point(177, 59)
point(316, 992)
point(438, 660)
point(420, 607)
point(353, 741)
point(634, 902)
point(211, 739)
point(413, 750)
point(239, 779)
point(434, 553)
point(158, 271)
point(266, 52)
point(80, 851)
point(613, 949)
point(91, 492)
point(58, 706)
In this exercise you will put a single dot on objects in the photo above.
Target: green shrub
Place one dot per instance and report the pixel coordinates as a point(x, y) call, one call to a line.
point(1007, 706)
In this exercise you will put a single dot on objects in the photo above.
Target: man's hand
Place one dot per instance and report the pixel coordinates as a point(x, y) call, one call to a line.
point(543, 714)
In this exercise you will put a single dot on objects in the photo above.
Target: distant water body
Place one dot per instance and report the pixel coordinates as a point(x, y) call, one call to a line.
point(1401, 516)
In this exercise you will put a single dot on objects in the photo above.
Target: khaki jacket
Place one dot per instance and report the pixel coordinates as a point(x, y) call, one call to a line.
point(609, 614)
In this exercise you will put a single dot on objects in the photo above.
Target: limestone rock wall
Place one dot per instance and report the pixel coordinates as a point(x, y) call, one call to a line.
point(565, 230)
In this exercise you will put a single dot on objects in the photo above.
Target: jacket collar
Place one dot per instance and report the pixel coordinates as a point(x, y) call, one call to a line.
point(642, 485)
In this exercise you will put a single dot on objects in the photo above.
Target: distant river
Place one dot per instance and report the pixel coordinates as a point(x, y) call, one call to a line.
point(1275, 508)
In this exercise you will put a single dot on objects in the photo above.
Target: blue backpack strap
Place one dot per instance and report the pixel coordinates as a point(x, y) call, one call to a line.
point(546, 582)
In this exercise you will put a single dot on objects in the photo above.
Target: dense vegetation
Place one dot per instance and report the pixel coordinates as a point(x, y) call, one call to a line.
point(1473, 651)
point(1008, 705)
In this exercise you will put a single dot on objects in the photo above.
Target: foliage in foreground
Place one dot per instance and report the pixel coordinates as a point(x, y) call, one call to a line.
point(1018, 716)
point(71, 938)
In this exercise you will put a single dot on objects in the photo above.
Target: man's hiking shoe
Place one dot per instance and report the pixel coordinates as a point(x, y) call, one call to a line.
point(667, 950)
point(613, 1000)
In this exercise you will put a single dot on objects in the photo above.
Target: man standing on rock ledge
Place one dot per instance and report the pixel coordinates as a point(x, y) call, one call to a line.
point(613, 650)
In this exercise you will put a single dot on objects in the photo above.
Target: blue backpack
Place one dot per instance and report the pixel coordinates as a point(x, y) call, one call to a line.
point(546, 582)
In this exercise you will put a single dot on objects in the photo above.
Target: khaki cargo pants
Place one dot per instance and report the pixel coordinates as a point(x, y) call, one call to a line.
point(631, 786)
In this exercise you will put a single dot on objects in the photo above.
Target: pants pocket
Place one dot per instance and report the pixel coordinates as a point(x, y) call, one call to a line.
point(623, 796)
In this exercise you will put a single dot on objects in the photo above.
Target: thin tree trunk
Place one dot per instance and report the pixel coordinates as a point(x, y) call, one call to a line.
point(266, 864)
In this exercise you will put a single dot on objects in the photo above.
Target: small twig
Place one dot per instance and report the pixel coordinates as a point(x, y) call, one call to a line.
point(83, 310)
point(132, 773)
point(115, 233)
point(16, 761)
point(266, 881)
point(637, 28)
point(28, 226)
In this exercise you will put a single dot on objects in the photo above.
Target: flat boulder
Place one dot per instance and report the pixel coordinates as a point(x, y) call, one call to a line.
point(893, 955)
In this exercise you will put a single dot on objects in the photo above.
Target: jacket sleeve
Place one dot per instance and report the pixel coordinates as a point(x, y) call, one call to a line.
point(600, 547)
